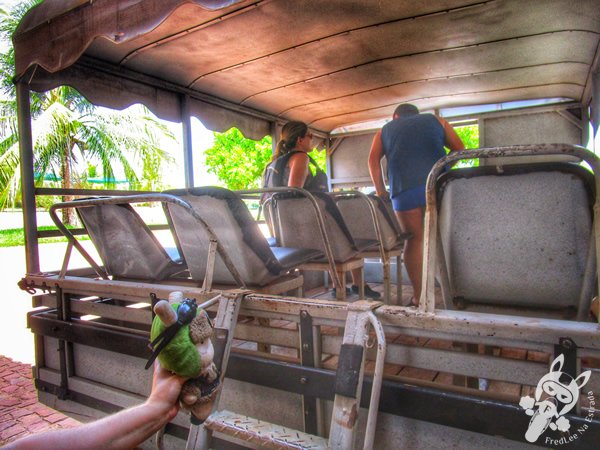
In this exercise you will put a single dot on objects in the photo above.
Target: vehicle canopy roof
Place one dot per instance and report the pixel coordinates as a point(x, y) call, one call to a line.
point(330, 63)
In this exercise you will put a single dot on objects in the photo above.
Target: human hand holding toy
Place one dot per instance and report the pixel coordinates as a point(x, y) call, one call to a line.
point(180, 338)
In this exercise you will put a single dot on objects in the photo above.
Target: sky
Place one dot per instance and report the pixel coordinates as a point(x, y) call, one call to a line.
point(5, 3)
point(202, 139)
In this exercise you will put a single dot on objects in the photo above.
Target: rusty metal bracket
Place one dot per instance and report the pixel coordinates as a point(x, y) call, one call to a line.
point(25, 286)
point(567, 347)
point(348, 372)
point(62, 315)
point(153, 301)
point(307, 352)
point(307, 359)
point(220, 338)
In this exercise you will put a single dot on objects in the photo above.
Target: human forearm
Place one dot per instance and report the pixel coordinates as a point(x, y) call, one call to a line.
point(377, 178)
point(131, 427)
point(126, 429)
point(452, 139)
point(123, 430)
point(374, 164)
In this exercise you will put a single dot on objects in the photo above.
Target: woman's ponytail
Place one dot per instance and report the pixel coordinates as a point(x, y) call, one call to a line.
point(290, 133)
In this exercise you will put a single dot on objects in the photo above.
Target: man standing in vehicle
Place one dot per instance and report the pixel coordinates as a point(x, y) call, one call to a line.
point(412, 143)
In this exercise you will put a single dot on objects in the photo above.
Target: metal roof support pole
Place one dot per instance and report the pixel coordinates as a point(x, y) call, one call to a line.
point(273, 131)
point(587, 139)
point(32, 258)
point(328, 160)
point(186, 126)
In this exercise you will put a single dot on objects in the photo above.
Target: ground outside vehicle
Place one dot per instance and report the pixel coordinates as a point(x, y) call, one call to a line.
point(342, 67)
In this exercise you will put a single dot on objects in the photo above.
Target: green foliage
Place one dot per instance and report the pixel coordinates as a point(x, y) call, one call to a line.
point(71, 135)
point(14, 237)
point(469, 134)
point(92, 170)
point(237, 161)
point(46, 201)
point(320, 157)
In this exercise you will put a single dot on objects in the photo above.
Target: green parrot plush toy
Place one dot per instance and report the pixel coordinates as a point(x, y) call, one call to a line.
point(180, 338)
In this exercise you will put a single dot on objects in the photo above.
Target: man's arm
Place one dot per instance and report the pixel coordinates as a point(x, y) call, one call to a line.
point(453, 141)
point(375, 155)
point(124, 430)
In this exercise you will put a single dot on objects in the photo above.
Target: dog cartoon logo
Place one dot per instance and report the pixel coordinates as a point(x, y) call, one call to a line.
point(555, 395)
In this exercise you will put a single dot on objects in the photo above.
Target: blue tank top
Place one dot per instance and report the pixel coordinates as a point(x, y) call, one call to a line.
point(412, 145)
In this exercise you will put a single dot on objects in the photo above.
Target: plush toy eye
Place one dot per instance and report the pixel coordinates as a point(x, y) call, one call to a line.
point(186, 311)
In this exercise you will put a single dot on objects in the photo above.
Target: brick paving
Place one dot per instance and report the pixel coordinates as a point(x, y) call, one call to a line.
point(20, 412)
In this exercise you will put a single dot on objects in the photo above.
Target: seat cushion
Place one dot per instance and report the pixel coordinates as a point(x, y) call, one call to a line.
point(520, 239)
point(291, 257)
point(365, 244)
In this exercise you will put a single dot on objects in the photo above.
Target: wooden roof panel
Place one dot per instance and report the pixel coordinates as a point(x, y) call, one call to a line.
point(450, 100)
point(439, 89)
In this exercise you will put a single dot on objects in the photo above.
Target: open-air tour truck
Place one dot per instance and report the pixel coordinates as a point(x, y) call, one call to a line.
point(511, 244)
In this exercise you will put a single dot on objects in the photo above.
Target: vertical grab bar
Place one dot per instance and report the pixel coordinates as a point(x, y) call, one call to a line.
point(377, 382)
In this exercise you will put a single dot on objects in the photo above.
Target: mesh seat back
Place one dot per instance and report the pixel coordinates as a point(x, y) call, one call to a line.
point(238, 233)
point(297, 226)
point(516, 239)
point(126, 245)
point(357, 216)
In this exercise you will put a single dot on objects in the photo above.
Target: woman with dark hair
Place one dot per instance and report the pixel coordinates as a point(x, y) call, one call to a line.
point(292, 152)
point(290, 167)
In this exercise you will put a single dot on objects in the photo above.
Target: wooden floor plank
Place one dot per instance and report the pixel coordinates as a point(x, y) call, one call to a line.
point(540, 357)
point(590, 363)
point(513, 353)
point(439, 344)
point(330, 362)
point(247, 345)
point(284, 351)
point(527, 390)
point(417, 373)
point(410, 340)
point(502, 387)
point(443, 378)
point(331, 331)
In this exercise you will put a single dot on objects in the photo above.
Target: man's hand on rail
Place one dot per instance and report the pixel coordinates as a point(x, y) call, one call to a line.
point(385, 195)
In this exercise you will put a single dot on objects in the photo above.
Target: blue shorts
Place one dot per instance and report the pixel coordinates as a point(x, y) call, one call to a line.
point(409, 199)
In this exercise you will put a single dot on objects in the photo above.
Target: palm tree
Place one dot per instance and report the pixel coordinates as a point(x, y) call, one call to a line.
point(69, 134)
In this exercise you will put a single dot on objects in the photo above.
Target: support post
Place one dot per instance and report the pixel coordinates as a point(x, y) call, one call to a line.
point(328, 162)
point(32, 258)
point(224, 327)
point(349, 376)
point(273, 131)
point(186, 127)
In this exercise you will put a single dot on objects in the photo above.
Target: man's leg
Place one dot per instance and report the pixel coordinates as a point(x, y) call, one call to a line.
point(357, 279)
point(411, 221)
